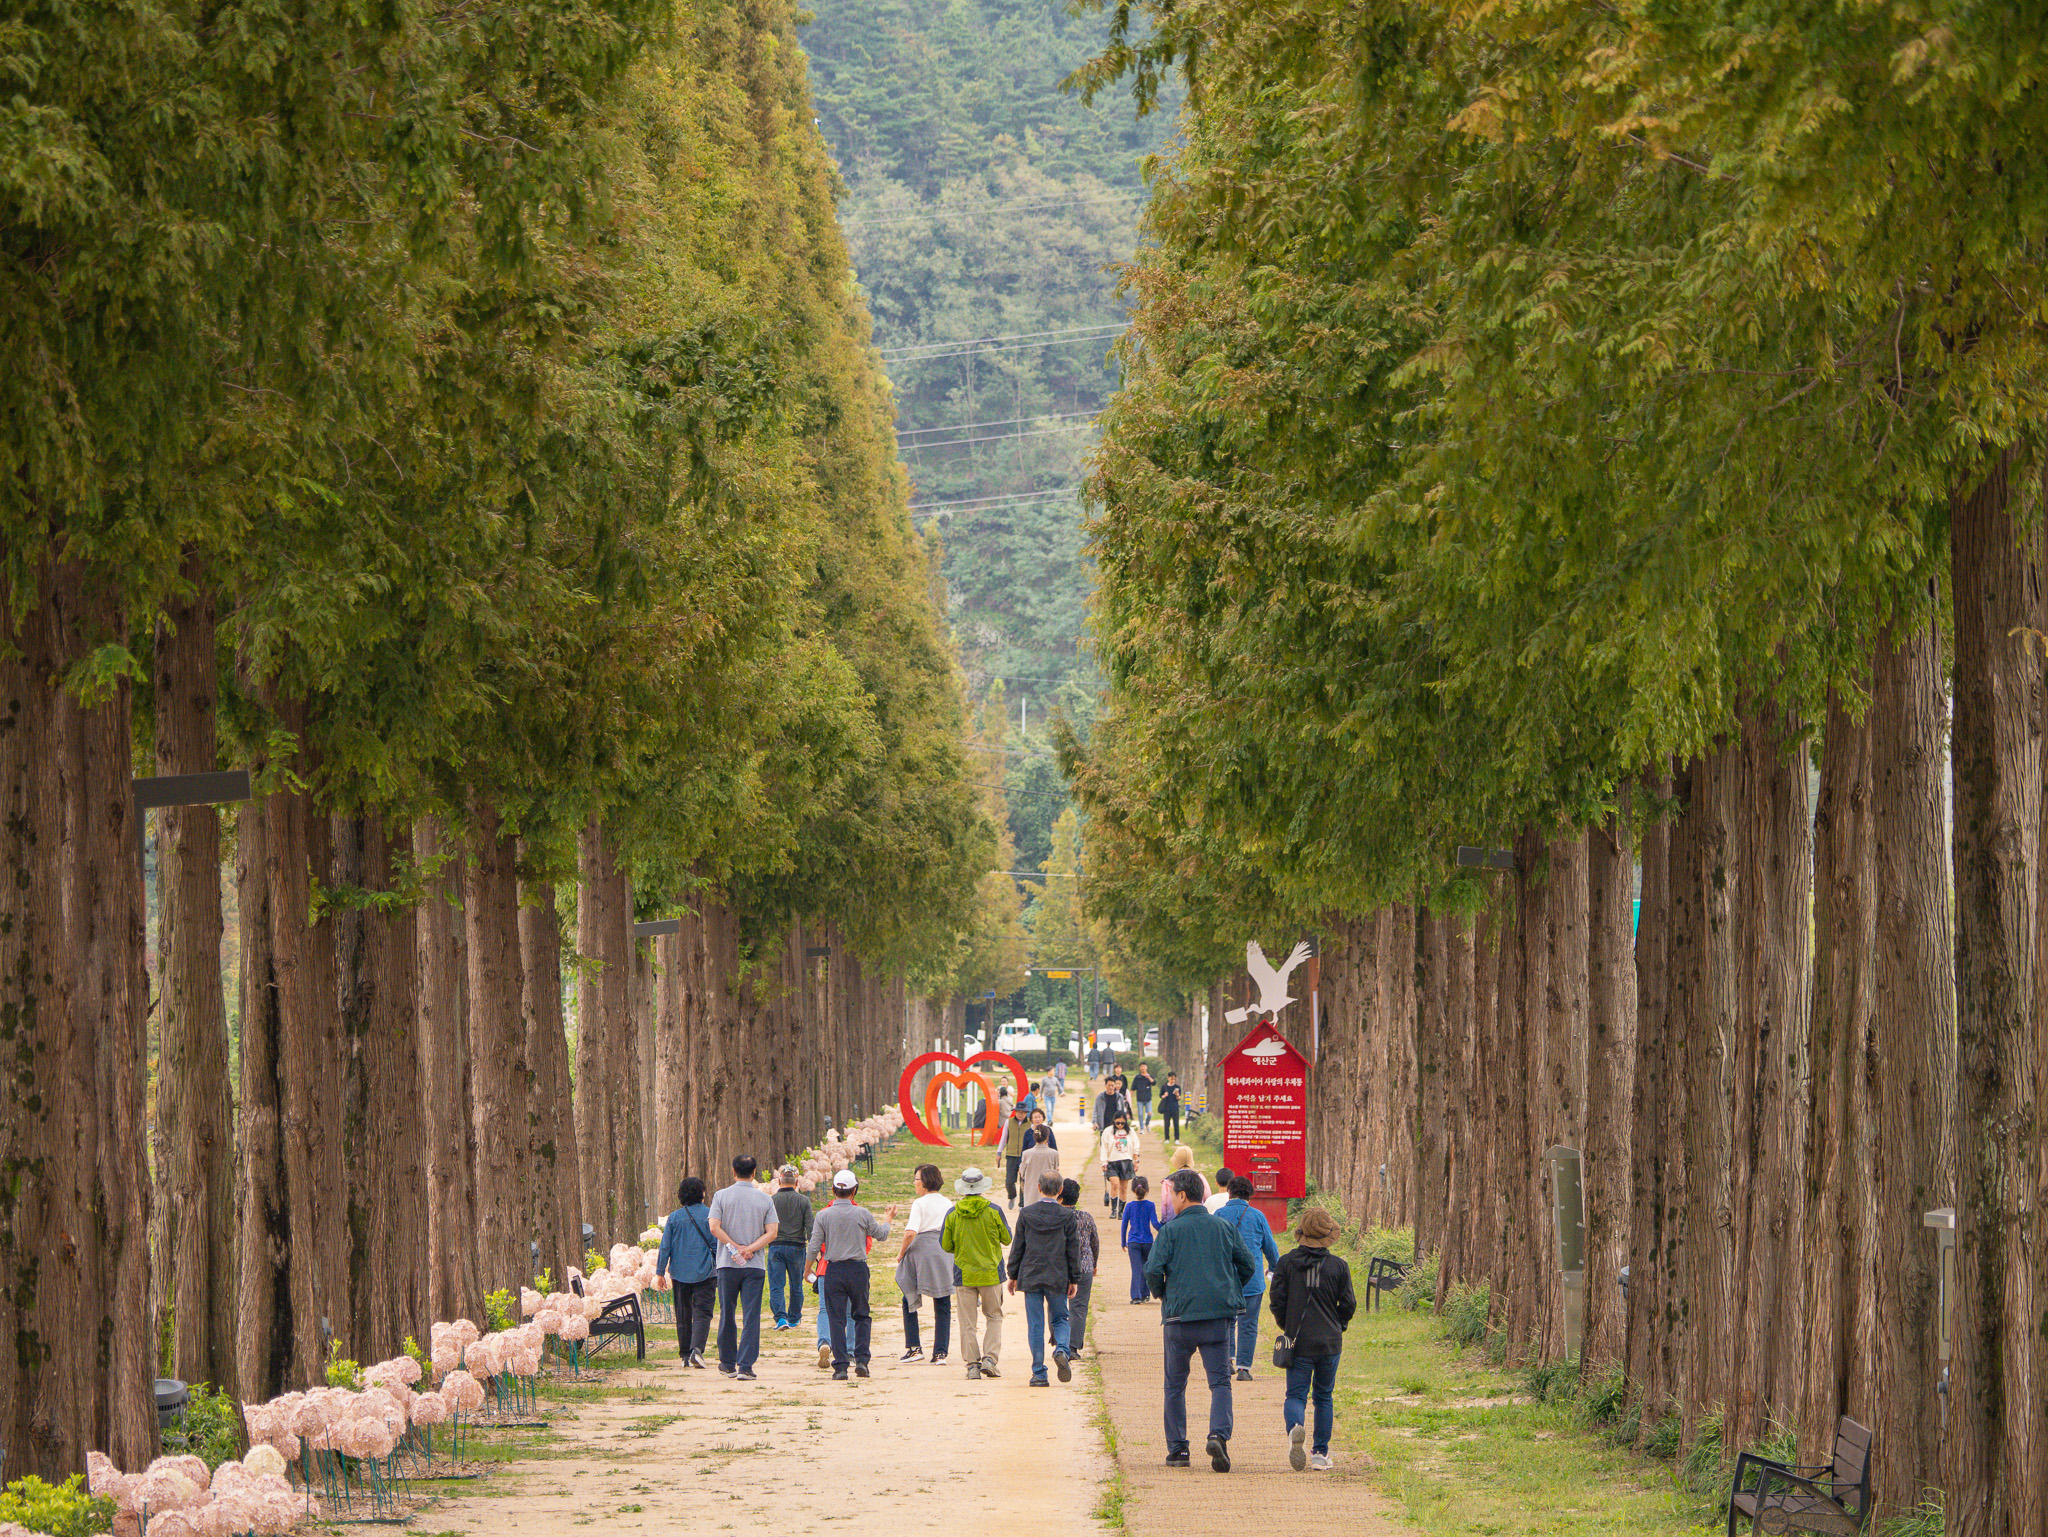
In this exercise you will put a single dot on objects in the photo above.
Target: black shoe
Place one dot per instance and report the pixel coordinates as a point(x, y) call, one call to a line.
point(861, 1371)
point(938, 1358)
point(727, 1371)
point(839, 1374)
point(1040, 1382)
point(744, 1376)
point(1219, 1454)
point(697, 1359)
point(914, 1353)
point(1179, 1460)
point(1059, 1360)
point(1244, 1374)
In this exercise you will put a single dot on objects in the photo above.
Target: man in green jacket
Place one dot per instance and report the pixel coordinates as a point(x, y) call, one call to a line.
point(1198, 1268)
point(975, 1234)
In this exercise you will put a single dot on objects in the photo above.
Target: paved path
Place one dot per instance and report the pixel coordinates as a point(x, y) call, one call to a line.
point(916, 1449)
point(1261, 1492)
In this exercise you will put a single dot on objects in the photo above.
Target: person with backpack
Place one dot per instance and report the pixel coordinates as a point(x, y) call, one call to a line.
point(1312, 1302)
point(1250, 1224)
point(975, 1233)
point(1045, 1264)
point(688, 1262)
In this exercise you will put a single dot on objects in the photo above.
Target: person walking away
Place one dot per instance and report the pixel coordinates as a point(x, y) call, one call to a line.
point(1045, 1264)
point(1016, 1126)
point(743, 1222)
point(1059, 1081)
point(924, 1269)
point(1091, 1256)
point(1040, 1158)
point(1257, 1233)
point(688, 1261)
point(1119, 1153)
point(1169, 1109)
point(1198, 1269)
point(840, 1237)
point(793, 1213)
point(1139, 1225)
point(975, 1233)
point(1312, 1304)
point(1219, 1189)
point(1141, 1095)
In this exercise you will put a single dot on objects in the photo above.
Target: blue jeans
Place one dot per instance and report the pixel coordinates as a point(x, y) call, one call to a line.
point(1038, 1303)
point(786, 1266)
point(1144, 1115)
point(1139, 1253)
point(1211, 1337)
point(1319, 1372)
point(739, 1344)
point(1248, 1328)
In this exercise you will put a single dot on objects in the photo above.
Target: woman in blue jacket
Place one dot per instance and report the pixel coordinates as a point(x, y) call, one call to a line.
point(689, 1258)
point(1257, 1234)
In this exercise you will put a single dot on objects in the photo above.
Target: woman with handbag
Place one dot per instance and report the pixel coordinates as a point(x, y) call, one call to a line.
point(1312, 1302)
point(687, 1261)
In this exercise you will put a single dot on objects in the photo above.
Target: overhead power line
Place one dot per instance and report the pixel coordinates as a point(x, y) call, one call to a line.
point(1002, 437)
point(1020, 496)
point(1072, 333)
point(1008, 421)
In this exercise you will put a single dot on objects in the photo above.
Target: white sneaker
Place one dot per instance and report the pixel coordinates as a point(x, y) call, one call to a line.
point(1297, 1448)
point(1320, 1462)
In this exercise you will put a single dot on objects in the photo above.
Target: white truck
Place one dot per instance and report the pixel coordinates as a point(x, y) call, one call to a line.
point(1019, 1035)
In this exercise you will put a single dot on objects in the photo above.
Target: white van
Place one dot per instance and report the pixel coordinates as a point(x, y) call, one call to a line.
point(1018, 1035)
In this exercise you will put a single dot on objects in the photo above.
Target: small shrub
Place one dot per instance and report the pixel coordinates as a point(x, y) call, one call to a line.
point(1466, 1313)
point(1555, 1382)
point(63, 1510)
point(425, 1361)
point(1626, 1429)
point(1603, 1400)
point(499, 1306)
point(1418, 1292)
point(544, 1283)
point(344, 1373)
point(1396, 1243)
point(593, 1262)
point(1663, 1440)
point(1704, 1463)
point(1927, 1519)
point(209, 1429)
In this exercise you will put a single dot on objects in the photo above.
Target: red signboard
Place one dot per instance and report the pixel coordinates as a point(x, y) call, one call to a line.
point(1265, 1119)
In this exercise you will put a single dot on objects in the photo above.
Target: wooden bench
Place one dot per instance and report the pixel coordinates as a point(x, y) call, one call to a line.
point(1384, 1275)
point(621, 1317)
point(1835, 1498)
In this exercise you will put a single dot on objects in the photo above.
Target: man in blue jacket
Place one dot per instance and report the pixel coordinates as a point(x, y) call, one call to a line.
point(1199, 1269)
point(1250, 1224)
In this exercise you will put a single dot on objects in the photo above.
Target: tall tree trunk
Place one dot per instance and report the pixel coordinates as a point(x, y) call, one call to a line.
point(1911, 1059)
point(194, 1134)
point(378, 978)
point(1653, 1194)
point(1514, 1280)
point(1428, 1147)
point(607, 1055)
point(671, 1072)
point(454, 1271)
point(1995, 1474)
point(74, 1205)
point(1840, 1136)
point(1716, 875)
point(1457, 1063)
point(1564, 1055)
point(557, 1185)
point(1685, 1241)
point(1610, 1078)
point(1531, 1307)
point(501, 1079)
point(644, 1007)
point(293, 1285)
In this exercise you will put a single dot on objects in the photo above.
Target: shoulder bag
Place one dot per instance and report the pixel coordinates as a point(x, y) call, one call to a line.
point(1297, 1305)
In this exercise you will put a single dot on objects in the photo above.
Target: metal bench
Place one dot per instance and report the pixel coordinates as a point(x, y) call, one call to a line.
point(621, 1317)
point(1384, 1275)
point(1785, 1498)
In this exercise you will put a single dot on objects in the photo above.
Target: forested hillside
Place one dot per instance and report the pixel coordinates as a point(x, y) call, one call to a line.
point(985, 209)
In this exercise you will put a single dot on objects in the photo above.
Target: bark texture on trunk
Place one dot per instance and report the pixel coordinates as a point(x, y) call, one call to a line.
point(557, 1186)
point(194, 1134)
point(378, 981)
point(501, 1080)
point(1714, 872)
point(1564, 1056)
point(78, 1361)
point(607, 1055)
point(1610, 1078)
point(454, 1276)
point(1429, 1147)
point(1651, 1195)
point(293, 1192)
point(1995, 1474)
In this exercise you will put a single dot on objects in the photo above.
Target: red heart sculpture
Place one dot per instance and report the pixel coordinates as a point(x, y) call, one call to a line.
point(917, 1124)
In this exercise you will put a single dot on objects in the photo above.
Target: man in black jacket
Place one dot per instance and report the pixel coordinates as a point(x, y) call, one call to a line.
point(1045, 1264)
point(1169, 1109)
point(1312, 1302)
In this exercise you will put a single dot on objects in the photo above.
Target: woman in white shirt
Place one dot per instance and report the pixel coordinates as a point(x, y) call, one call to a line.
point(923, 1269)
point(1119, 1160)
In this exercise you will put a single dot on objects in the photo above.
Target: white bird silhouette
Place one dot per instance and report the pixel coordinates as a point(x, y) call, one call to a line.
point(1273, 995)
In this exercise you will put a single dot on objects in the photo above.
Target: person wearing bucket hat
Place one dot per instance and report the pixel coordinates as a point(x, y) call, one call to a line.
point(840, 1236)
point(975, 1234)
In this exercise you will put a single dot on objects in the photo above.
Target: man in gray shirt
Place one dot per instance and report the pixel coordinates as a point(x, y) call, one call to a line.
point(743, 1221)
point(793, 1217)
point(840, 1235)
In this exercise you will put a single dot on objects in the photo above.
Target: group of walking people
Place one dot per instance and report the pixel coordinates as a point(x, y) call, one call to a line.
point(1206, 1255)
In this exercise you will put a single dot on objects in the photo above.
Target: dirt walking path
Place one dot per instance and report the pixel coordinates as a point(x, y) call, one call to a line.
point(916, 1449)
point(1261, 1492)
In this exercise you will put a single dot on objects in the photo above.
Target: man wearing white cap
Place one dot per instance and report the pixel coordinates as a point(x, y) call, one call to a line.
point(975, 1234)
point(840, 1235)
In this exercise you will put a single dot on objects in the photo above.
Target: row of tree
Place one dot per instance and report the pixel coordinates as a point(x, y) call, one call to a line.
point(1550, 429)
point(465, 421)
